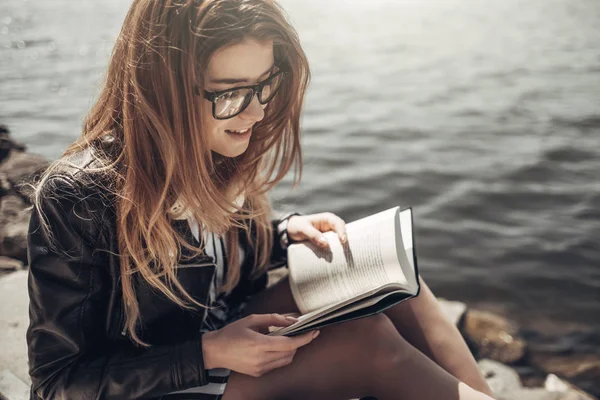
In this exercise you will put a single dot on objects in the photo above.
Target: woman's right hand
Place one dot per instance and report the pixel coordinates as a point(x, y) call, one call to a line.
point(241, 347)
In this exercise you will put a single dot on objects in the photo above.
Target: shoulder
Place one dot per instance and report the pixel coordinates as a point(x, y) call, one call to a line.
point(77, 194)
point(81, 176)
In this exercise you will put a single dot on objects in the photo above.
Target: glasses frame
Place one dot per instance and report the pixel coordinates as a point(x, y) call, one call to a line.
point(256, 91)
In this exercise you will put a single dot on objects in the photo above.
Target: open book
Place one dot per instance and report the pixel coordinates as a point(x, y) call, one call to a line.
point(374, 270)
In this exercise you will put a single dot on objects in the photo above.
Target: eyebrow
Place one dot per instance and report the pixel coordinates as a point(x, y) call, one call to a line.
point(239, 80)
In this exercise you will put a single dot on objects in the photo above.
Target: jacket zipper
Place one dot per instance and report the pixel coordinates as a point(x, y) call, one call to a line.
point(121, 320)
point(124, 331)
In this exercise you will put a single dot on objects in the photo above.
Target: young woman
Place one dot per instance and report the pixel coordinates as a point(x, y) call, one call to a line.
point(150, 238)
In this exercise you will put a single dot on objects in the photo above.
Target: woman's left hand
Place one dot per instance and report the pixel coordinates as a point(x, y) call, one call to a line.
point(311, 227)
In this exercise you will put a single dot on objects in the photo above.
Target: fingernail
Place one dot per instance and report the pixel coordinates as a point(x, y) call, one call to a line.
point(316, 334)
point(290, 318)
point(344, 238)
point(322, 240)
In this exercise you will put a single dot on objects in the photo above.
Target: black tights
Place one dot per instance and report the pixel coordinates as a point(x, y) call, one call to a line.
point(365, 357)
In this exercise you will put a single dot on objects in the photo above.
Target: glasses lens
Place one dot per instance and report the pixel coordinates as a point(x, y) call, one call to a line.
point(230, 103)
point(270, 88)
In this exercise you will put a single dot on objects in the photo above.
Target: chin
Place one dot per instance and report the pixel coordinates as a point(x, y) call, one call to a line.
point(231, 152)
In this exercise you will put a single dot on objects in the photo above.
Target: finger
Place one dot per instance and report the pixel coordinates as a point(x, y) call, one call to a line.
point(339, 226)
point(282, 362)
point(258, 321)
point(285, 343)
point(316, 236)
point(271, 356)
point(330, 222)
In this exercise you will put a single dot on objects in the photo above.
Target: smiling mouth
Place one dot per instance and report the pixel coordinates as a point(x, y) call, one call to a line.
point(239, 132)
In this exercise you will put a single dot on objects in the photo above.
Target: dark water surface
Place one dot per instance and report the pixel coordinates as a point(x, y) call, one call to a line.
point(484, 116)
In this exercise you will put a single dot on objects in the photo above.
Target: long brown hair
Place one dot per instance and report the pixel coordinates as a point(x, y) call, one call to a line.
point(148, 108)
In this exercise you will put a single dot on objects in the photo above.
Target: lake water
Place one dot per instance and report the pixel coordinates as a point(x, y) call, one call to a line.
point(484, 116)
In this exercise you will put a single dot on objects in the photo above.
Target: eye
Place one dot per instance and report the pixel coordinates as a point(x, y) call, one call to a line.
point(232, 95)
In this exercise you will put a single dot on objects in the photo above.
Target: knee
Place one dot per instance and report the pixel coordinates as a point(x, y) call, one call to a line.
point(386, 349)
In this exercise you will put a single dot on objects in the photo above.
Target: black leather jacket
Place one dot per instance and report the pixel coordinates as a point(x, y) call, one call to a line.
point(77, 348)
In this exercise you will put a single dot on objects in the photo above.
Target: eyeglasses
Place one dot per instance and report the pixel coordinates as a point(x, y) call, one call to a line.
point(229, 103)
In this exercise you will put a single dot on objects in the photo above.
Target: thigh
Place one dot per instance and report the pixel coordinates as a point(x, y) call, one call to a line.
point(364, 357)
point(336, 365)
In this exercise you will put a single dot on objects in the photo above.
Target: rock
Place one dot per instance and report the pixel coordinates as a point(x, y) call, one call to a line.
point(530, 394)
point(499, 377)
point(7, 144)
point(453, 310)
point(14, 321)
point(20, 168)
point(506, 385)
point(10, 264)
point(17, 167)
point(5, 185)
point(14, 223)
point(577, 395)
point(11, 387)
point(493, 337)
point(581, 369)
point(583, 366)
point(554, 384)
point(540, 394)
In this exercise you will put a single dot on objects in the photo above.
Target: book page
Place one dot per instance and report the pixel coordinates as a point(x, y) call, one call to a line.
point(405, 224)
point(321, 277)
point(359, 305)
point(324, 312)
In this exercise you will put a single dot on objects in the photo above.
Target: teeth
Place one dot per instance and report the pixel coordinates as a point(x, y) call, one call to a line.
point(241, 132)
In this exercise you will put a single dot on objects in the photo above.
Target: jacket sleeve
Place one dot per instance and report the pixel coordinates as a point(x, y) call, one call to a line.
point(280, 241)
point(70, 356)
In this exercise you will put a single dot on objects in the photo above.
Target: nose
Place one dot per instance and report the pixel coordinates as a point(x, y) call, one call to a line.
point(254, 112)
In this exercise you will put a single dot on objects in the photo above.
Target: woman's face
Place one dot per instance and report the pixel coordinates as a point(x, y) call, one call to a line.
point(242, 64)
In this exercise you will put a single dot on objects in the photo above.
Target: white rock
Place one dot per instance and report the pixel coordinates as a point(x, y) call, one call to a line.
point(500, 378)
point(14, 320)
point(529, 394)
point(453, 310)
point(10, 264)
point(554, 384)
point(11, 387)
